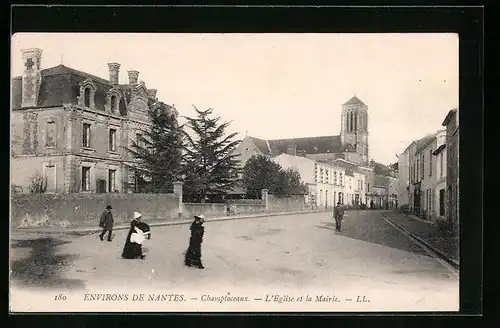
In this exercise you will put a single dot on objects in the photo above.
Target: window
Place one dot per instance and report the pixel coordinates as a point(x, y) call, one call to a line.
point(417, 175)
point(114, 103)
point(50, 131)
point(112, 140)
point(368, 189)
point(85, 178)
point(86, 135)
point(335, 177)
point(86, 97)
point(441, 202)
point(111, 180)
point(430, 162)
point(423, 167)
point(441, 173)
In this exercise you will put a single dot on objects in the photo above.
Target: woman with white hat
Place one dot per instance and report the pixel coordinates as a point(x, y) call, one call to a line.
point(193, 253)
point(136, 235)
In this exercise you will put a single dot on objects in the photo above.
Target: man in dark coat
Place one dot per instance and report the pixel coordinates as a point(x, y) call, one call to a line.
point(338, 213)
point(193, 253)
point(106, 223)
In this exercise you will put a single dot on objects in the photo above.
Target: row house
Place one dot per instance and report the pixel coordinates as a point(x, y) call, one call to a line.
point(424, 182)
point(419, 182)
point(74, 128)
point(327, 182)
point(440, 158)
point(451, 122)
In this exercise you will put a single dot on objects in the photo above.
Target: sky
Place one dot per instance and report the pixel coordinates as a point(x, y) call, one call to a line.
point(275, 86)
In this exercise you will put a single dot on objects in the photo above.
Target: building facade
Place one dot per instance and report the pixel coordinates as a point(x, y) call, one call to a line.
point(74, 128)
point(440, 156)
point(451, 122)
point(326, 183)
point(427, 176)
point(404, 177)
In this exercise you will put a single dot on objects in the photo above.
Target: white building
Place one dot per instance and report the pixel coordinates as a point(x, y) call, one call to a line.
point(404, 177)
point(440, 188)
point(325, 182)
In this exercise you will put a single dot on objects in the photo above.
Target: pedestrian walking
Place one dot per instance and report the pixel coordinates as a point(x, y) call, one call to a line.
point(193, 253)
point(106, 223)
point(338, 213)
point(135, 238)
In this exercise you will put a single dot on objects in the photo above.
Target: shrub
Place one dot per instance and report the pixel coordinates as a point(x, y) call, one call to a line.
point(447, 227)
point(38, 184)
point(362, 207)
point(34, 222)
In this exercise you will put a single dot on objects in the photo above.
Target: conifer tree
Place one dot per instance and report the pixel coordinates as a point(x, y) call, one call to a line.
point(157, 151)
point(210, 167)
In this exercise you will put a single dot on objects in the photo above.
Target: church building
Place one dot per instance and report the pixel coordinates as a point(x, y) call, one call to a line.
point(351, 144)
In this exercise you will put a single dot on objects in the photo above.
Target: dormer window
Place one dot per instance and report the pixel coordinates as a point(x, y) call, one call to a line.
point(113, 101)
point(87, 94)
point(114, 104)
point(86, 97)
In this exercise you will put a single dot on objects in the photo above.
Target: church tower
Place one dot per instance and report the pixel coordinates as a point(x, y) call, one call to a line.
point(354, 127)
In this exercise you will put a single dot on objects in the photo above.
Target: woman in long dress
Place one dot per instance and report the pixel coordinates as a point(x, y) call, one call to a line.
point(193, 253)
point(136, 235)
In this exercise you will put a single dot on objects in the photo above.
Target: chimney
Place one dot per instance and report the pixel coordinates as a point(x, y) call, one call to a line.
point(152, 93)
point(133, 77)
point(291, 150)
point(114, 73)
point(32, 77)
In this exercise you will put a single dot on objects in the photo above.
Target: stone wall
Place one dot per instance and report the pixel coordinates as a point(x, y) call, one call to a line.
point(71, 210)
point(218, 210)
point(290, 203)
point(85, 209)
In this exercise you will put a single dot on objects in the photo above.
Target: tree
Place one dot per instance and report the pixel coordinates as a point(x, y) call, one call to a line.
point(210, 167)
point(260, 172)
point(290, 183)
point(158, 151)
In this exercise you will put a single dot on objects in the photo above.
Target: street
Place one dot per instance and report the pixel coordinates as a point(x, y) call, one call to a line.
point(281, 253)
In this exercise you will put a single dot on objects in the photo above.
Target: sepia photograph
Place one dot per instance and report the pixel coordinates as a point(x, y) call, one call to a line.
point(220, 172)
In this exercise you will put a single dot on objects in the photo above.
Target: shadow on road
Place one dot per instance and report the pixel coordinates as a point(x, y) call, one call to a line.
point(43, 267)
point(376, 231)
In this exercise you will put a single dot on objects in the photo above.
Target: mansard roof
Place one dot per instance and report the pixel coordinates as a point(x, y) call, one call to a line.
point(61, 85)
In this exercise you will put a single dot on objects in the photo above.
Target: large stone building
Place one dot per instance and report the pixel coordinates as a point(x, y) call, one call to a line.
point(73, 127)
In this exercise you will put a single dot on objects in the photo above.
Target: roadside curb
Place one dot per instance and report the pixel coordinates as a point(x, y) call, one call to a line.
point(414, 217)
point(160, 224)
point(454, 263)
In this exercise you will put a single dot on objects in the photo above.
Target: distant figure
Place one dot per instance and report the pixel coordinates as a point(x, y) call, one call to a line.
point(106, 223)
point(372, 205)
point(135, 238)
point(338, 213)
point(193, 253)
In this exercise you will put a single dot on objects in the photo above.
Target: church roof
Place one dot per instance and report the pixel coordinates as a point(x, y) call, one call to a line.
point(355, 101)
point(261, 144)
point(311, 145)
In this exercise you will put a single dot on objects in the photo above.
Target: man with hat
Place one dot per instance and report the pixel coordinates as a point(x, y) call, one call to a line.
point(338, 213)
point(106, 223)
